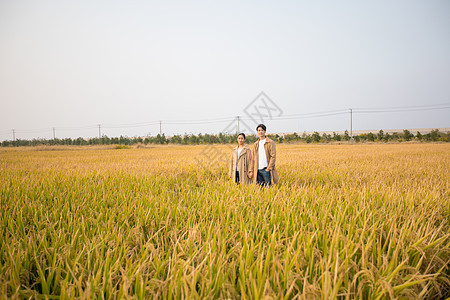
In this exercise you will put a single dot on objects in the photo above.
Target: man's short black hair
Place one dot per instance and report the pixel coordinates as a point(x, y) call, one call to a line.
point(262, 126)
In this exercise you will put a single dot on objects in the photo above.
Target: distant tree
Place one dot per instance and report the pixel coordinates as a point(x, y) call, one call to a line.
point(308, 138)
point(221, 138)
point(176, 139)
point(251, 138)
point(277, 138)
point(193, 140)
point(434, 135)
point(380, 135)
point(407, 135)
point(394, 136)
point(326, 137)
point(316, 137)
point(419, 136)
point(336, 137)
point(292, 137)
point(209, 138)
point(161, 139)
point(346, 136)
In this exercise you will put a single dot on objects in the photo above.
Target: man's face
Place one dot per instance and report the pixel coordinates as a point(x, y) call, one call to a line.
point(261, 132)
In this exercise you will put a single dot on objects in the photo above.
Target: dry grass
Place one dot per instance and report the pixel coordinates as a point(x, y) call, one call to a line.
point(348, 221)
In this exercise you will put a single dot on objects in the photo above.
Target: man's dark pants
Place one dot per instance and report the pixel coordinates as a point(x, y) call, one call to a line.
point(263, 177)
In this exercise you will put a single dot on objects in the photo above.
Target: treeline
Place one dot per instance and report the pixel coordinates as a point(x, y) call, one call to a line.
point(434, 136)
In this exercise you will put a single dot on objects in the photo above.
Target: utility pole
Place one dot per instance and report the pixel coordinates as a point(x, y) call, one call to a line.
point(351, 123)
point(54, 135)
point(160, 130)
point(99, 131)
point(237, 125)
point(14, 135)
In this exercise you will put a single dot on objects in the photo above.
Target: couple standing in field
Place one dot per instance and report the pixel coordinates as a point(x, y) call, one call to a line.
point(255, 165)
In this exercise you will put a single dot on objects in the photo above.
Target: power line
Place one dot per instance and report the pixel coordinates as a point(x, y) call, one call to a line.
point(401, 110)
point(33, 130)
point(198, 122)
point(311, 116)
point(315, 113)
point(439, 106)
point(77, 128)
point(131, 125)
point(403, 107)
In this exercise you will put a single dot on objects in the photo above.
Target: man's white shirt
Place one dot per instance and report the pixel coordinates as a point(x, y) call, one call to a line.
point(262, 158)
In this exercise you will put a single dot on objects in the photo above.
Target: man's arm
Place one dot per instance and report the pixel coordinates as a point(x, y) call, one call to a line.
point(272, 153)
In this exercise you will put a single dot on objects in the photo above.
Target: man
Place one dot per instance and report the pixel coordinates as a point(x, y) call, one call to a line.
point(263, 162)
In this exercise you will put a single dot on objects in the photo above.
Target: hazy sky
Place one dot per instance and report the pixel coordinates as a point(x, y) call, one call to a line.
point(76, 64)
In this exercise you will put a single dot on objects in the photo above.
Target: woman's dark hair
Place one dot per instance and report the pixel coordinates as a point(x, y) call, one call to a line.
point(242, 135)
point(262, 126)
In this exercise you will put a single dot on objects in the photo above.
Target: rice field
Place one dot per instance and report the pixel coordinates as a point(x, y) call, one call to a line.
point(367, 221)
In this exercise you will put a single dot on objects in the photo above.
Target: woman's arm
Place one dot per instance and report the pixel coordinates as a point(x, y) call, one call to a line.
point(250, 165)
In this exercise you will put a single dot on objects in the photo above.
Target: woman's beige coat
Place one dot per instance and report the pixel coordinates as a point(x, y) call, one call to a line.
point(244, 163)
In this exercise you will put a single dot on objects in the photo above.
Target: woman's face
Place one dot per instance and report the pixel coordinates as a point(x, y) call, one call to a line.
point(240, 140)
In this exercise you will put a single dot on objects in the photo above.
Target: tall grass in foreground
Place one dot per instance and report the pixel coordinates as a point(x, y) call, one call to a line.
point(349, 221)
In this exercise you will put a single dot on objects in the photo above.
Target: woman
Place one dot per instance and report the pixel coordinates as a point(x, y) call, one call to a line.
point(240, 162)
